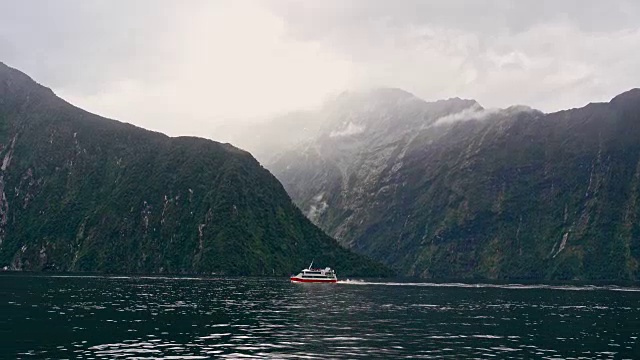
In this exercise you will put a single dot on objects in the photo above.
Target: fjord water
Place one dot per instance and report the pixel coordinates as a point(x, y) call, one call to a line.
point(192, 318)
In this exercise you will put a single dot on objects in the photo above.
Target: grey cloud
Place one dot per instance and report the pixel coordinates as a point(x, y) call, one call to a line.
point(128, 59)
point(316, 19)
point(548, 54)
point(85, 44)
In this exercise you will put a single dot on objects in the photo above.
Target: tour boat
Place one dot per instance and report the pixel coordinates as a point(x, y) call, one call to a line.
point(311, 275)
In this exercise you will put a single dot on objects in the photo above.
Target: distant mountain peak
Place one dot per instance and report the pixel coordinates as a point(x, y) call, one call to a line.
point(372, 96)
point(385, 98)
point(457, 102)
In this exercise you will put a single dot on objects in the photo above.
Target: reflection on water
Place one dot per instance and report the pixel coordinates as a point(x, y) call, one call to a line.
point(194, 318)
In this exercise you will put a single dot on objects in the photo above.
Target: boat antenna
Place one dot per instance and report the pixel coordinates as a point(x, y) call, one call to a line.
point(310, 265)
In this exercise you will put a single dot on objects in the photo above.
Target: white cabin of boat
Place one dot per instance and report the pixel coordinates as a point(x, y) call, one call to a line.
point(311, 274)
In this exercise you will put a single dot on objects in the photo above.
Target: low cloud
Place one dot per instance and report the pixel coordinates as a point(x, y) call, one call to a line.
point(476, 112)
point(350, 130)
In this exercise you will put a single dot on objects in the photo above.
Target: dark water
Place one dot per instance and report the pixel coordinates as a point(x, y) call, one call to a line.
point(178, 318)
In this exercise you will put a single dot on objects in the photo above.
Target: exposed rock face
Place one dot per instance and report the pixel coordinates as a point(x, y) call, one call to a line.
point(82, 193)
point(451, 190)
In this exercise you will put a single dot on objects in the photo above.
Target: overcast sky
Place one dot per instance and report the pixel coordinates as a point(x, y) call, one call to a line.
point(186, 67)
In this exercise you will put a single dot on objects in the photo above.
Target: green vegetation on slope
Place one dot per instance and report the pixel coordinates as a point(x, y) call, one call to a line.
point(82, 193)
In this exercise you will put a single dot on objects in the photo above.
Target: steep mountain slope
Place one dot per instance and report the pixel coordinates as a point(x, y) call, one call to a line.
point(362, 137)
point(473, 193)
point(82, 193)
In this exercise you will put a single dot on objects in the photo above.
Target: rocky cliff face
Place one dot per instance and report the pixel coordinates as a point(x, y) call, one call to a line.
point(451, 190)
point(82, 193)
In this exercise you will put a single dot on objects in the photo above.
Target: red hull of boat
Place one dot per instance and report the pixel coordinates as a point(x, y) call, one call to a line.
point(293, 279)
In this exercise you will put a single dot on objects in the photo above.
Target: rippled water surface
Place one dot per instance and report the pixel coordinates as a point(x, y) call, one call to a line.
point(193, 318)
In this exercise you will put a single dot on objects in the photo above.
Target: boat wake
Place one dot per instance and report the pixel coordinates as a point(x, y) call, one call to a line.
point(498, 286)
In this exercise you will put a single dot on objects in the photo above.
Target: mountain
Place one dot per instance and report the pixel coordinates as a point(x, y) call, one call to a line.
point(449, 189)
point(268, 140)
point(79, 192)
